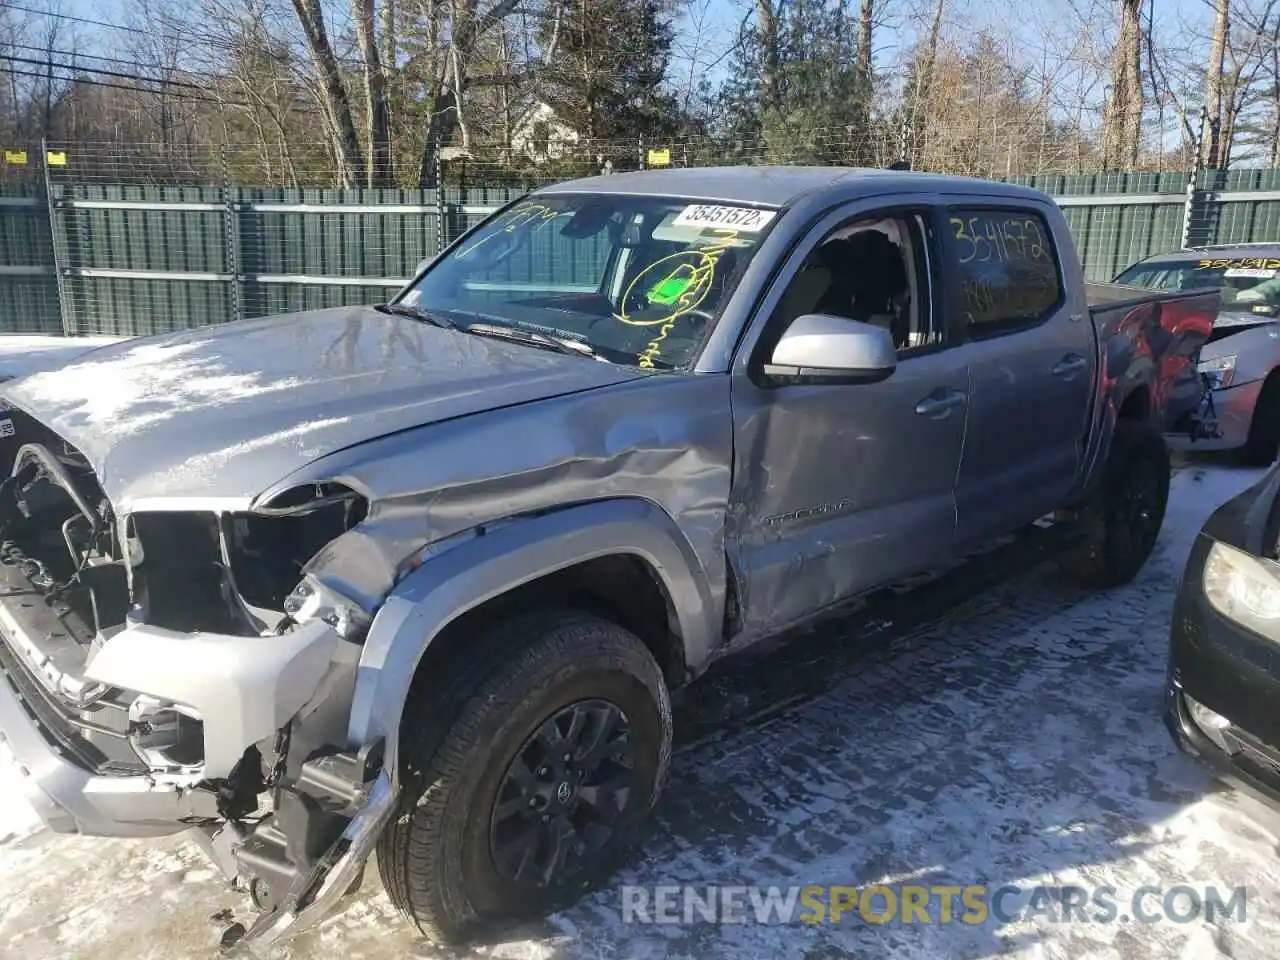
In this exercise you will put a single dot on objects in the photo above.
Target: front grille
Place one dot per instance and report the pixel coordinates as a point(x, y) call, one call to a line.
point(65, 731)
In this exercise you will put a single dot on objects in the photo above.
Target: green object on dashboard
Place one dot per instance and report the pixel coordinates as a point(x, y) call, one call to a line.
point(668, 291)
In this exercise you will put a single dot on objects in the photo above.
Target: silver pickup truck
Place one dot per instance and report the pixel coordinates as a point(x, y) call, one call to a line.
point(421, 577)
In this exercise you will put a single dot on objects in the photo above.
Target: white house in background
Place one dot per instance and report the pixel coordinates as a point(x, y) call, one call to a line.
point(454, 153)
point(540, 135)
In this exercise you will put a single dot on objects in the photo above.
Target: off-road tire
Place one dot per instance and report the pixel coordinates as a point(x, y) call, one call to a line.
point(1263, 443)
point(1119, 523)
point(459, 737)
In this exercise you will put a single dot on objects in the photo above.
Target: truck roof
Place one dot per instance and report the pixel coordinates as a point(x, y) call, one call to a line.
point(780, 185)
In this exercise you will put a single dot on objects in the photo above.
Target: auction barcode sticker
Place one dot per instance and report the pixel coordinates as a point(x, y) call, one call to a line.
point(735, 218)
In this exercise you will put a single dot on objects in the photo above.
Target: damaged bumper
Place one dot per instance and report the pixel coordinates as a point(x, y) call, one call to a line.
point(177, 669)
point(297, 861)
point(72, 799)
point(149, 731)
point(315, 893)
point(1230, 411)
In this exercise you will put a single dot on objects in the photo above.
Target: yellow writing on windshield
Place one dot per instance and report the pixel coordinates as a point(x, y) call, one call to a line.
point(522, 215)
point(1257, 263)
point(654, 349)
point(678, 281)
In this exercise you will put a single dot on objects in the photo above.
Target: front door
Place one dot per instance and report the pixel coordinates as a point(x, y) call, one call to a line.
point(838, 488)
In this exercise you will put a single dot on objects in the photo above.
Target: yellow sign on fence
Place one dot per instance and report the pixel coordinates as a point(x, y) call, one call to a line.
point(57, 158)
point(18, 157)
point(659, 158)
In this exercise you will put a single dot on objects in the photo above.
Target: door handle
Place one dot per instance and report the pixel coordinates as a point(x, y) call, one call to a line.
point(940, 404)
point(1069, 366)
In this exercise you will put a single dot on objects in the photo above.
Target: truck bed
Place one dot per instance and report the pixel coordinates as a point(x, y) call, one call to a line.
point(1123, 294)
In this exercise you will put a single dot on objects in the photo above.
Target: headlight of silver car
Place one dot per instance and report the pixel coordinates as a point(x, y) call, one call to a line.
point(1243, 588)
point(1221, 371)
point(312, 600)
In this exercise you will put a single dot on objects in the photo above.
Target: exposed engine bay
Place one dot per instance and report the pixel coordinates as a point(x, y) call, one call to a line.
point(227, 573)
point(213, 592)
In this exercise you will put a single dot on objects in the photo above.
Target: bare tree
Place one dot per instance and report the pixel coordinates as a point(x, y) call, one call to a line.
point(1273, 93)
point(1122, 123)
point(1213, 153)
point(450, 61)
point(332, 93)
point(866, 21)
point(767, 29)
point(1248, 52)
point(377, 108)
point(389, 48)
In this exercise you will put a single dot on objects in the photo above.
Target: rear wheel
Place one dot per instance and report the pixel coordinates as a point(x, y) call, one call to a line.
point(1263, 444)
point(528, 775)
point(1120, 522)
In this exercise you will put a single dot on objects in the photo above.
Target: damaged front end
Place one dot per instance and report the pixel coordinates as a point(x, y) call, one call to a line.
point(174, 669)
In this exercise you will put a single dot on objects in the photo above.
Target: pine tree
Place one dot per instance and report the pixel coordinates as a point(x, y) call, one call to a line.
point(606, 76)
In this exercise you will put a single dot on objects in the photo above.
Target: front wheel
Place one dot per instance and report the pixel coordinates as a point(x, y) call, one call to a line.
point(527, 781)
point(1120, 522)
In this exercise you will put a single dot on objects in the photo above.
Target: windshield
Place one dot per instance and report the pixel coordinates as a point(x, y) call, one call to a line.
point(637, 279)
point(1247, 284)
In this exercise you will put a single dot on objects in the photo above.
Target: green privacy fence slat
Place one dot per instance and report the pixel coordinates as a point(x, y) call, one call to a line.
point(330, 242)
point(28, 286)
point(1110, 237)
point(1093, 184)
point(267, 249)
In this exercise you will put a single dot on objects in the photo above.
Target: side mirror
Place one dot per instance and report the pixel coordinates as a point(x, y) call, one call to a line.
point(819, 348)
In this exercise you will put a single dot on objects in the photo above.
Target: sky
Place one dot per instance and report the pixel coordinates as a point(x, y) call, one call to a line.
point(709, 26)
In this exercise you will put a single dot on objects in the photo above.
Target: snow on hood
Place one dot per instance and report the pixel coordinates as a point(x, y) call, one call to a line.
point(223, 412)
point(21, 353)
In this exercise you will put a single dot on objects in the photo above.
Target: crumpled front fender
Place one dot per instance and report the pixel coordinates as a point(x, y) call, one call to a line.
point(481, 568)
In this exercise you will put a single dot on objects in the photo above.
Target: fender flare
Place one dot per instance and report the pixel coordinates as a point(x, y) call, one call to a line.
point(487, 565)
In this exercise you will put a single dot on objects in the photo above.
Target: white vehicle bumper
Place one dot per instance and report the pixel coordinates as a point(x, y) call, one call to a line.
point(1234, 409)
point(241, 690)
point(70, 799)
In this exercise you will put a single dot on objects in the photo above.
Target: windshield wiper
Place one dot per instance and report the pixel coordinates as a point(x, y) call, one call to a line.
point(417, 313)
point(533, 338)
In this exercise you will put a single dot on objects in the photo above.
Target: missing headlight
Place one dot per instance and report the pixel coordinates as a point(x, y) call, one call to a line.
point(312, 600)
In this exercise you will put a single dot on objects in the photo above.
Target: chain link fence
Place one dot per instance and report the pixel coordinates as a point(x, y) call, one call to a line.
point(133, 239)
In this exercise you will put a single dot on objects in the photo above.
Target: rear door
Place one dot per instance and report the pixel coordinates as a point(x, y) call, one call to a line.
point(1029, 347)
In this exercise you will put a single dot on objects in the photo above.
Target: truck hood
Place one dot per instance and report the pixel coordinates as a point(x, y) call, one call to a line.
point(22, 353)
point(218, 414)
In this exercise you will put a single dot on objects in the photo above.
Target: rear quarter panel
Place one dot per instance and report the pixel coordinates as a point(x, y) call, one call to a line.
point(1154, 342)
point(1150, 343)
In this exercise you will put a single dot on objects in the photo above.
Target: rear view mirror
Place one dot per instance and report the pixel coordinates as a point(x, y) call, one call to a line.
point(819, 348)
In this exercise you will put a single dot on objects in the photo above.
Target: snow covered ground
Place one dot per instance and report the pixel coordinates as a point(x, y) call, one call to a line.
point(1019, 741)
